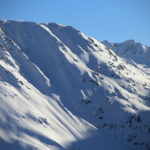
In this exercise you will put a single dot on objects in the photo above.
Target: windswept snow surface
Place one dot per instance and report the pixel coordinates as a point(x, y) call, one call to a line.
point(60, 89)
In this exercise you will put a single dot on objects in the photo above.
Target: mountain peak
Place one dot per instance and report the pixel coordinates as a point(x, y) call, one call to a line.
point(131, 50)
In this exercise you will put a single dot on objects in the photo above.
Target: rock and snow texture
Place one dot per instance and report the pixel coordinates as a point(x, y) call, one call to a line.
point(60, 89)
point(135, 53)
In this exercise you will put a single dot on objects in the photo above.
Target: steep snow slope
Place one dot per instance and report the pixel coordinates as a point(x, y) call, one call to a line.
point(26, 115)
point(57, 71)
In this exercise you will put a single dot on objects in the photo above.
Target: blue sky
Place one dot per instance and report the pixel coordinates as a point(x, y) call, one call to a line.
point(114, 20)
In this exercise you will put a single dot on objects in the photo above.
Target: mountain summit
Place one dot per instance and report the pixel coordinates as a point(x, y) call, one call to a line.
point(63, 90)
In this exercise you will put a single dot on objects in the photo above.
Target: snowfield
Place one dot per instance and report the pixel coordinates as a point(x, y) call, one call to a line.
point(63, 90)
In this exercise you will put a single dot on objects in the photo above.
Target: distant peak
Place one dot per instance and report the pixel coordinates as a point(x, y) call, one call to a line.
point(105, 41)
point(129, 42)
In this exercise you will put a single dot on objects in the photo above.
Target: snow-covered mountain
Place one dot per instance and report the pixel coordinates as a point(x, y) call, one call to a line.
point(132, 51)
point(61, 89)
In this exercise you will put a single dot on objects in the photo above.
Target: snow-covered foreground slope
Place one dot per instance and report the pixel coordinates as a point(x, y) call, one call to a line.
point(60, 89)
point(26, 115)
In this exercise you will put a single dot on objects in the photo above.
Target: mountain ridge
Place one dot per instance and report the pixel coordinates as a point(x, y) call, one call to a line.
point(131, 50)
point(86, 81)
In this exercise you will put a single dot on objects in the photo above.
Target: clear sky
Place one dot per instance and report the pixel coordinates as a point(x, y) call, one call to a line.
point(114, 20)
